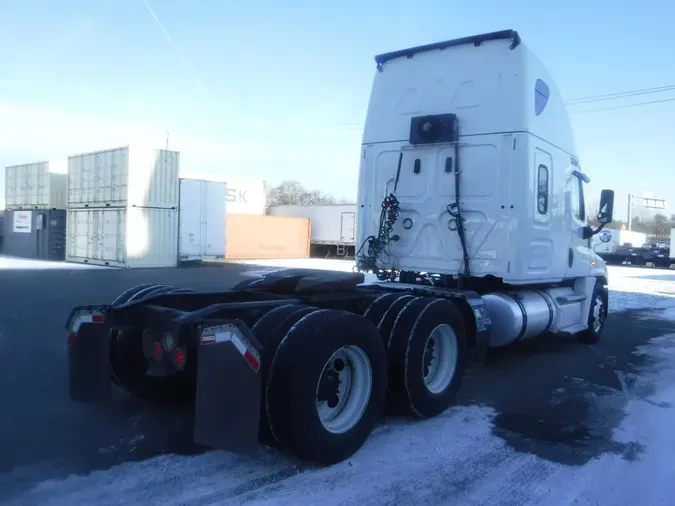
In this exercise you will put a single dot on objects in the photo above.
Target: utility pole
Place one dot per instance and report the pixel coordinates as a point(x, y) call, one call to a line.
point(167, 140)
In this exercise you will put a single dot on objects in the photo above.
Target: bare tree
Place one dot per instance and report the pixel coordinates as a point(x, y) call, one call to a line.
point(294, 193)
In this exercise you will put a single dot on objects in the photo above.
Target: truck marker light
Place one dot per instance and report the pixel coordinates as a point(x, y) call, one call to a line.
point(179, 357)
point(71, 337)
point(157, 350)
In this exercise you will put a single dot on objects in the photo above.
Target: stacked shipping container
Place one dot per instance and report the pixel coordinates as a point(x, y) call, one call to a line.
point(35, 199)
point(123, 207)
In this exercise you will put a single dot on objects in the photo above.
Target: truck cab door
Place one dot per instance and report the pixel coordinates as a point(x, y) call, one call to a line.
point(579, 249)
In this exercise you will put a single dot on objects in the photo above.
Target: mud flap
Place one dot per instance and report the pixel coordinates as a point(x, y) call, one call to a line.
point(229, 388)
point(89, 363)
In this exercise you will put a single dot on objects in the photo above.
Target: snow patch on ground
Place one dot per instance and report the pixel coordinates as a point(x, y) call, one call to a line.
point(11, 263)
point(452, 459)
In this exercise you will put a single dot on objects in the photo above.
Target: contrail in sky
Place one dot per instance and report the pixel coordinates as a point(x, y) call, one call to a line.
point(175, 47)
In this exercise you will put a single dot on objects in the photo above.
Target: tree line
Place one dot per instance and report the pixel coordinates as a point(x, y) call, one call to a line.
point(294, 193)
point(658, 225)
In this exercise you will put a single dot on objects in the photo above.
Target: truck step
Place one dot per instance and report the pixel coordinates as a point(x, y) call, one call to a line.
point(569, 299)
point(574, 329)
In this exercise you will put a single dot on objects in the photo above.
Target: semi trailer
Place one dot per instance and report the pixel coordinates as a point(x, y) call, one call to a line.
point(332, 226)
point(471, 218)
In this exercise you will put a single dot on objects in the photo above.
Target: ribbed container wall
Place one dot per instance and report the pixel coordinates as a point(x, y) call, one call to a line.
point(121, 177)
point(123, 207)
point(122, 237)
point(35, 186)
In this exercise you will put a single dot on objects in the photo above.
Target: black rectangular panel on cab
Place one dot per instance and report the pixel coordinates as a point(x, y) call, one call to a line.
point(434, 129)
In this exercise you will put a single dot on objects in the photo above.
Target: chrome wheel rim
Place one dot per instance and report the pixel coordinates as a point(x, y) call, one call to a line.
point(598, 314)
point(440, 358)
point(344, 389)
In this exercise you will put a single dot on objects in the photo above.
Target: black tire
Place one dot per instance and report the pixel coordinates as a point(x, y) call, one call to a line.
point(294, 376)
point(387, 321)
point(127, 295)
point(593, 333)
point(270, 330)
point(408, 350)
point(242, 285)
point(377, 309)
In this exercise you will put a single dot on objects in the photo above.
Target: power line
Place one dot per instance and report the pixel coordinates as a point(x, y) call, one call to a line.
point(624, 106)
point(620, 94)
point(576, 101)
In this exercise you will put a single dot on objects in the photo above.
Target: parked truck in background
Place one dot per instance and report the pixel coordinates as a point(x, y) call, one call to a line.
point(332, 226)
point(625, 246)
point(619, 246)
point(472, 220)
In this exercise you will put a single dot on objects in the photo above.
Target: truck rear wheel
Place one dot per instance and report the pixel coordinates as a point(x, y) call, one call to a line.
point(379, 307)
point(270, 329)
point(386, 324)
point(327, 386)
point(427, 356)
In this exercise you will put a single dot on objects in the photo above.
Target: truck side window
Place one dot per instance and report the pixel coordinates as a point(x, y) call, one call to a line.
point(581, 213)
point(542, 189)
point(577, 199)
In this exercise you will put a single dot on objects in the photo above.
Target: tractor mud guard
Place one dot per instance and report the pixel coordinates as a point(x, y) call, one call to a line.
point(229, 387)
point(88, 355)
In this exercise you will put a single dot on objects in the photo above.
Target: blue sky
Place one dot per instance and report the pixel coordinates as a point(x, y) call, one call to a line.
point(272, 89)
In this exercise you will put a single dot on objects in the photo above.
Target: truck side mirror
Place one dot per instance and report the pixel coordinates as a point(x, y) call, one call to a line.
point(606, 207)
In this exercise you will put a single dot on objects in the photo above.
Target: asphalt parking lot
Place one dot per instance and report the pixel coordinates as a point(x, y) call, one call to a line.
point(542, 390)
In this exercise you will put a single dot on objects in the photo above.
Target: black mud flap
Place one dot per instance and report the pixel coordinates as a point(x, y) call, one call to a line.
point(229, 387)
point(89, 362)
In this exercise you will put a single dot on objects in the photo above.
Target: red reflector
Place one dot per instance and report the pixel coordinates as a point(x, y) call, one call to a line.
point(157, 350)
point(71, 337)
point(252, 360)
point(97, 318)
point(179, 357)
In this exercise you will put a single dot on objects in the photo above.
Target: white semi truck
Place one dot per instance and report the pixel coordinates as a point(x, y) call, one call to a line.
point(470, 212)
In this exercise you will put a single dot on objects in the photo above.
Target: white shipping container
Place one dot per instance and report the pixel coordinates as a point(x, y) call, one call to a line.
point(119, 177)
point(330, 224)
point(122, 237)
point(672, 244)
point(201, 230)
point(40, 185)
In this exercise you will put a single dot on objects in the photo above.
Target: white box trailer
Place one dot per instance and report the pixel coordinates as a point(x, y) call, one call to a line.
point(39, 185)
point(607, 241)
point(331, 224)
point(246, 197)
point(201, 230)
point(129, 175)
point(122, 236)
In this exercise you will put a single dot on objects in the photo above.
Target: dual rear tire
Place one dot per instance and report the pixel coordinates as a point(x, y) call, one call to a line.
point(328, 375)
